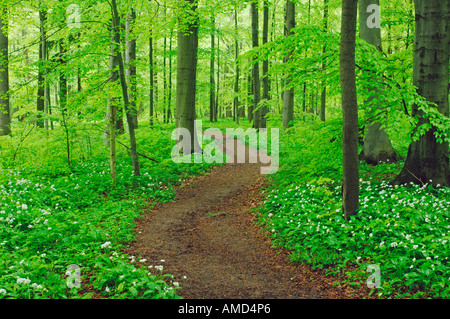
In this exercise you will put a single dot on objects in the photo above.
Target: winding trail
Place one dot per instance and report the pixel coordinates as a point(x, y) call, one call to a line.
point(209, 235)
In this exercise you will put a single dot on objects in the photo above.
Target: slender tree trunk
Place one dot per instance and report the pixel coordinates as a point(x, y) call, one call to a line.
point(255, 72)
point(250, 95)
point(169, 104)
point(40, 103)
point(130, 60)
point(111, 116)
point(152, 78)
point(112, 99)
point(265, 78)
point(428, 160)
point(116, 31)
point(288, 93)
point(350, 185)
point(5, 117)
point(323, 97)
point(217, 105)
point(63, 97)
point(187, 75)
point(236, 59)
point(165, 80)
point(212, 84)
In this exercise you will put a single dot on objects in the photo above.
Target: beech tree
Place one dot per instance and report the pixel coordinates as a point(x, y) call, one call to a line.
point(377, 146)
point(255, 71)
point(5, 117)
point(187, 71)
point(350, 184)
point(130, 61)
point(122, 76)
point(288, 93)
point(428, 159)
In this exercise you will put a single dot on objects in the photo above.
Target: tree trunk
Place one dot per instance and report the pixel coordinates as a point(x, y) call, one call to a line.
point(255, 72)
point(212, 84)
point(40, 103)
point(428, 160)
point(152, 79)
point(186, 75)
point(377, 147)
point(218, 107)
point(165, 80)
point(5, 117)
point(288, 93)
point(236, 59)
point(169, 104)
point(323, 97)
point(130, 60)
point(265, 78)
point(112, 98)
point(350, 185)
point(250, 96)
point(131, 130)
point(63, 96)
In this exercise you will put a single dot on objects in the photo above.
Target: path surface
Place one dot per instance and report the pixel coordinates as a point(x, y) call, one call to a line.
point(209, 235)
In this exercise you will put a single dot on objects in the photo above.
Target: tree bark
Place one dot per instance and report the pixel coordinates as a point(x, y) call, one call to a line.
point(212, 82)
point(377, 147)
point(265, 78)
point(428, 160)
point(237, 70)
point(323, 96)
point(255, 72)
point(40, 103)
point(131, 129)
point(169, 104)
point(350, 185)
point(5, 117)
point(130, 61)
point(288, 93)
point(152, 79)
point(187, 75)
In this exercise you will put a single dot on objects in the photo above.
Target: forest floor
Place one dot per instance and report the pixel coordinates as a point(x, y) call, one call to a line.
point(210, 235)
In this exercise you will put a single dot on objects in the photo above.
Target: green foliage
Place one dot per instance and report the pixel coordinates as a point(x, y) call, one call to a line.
point(403, 229)
point(52, 217)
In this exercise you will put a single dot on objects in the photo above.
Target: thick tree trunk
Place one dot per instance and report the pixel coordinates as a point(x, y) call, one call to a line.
point(350, 185)
point(186, 76)
point(377, 147)
point(288, 93)
point(428, 160)
point(5, 117)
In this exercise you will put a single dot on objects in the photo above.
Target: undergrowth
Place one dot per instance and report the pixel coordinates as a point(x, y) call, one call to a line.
point(404, 230)
point(53, 216)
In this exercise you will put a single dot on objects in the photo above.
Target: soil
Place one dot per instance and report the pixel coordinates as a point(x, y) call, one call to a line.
point(210, 235)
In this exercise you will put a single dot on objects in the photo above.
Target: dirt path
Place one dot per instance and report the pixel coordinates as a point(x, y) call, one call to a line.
point(209, 235)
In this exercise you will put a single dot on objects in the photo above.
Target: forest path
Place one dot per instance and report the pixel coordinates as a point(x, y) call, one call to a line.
point(209, 235)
